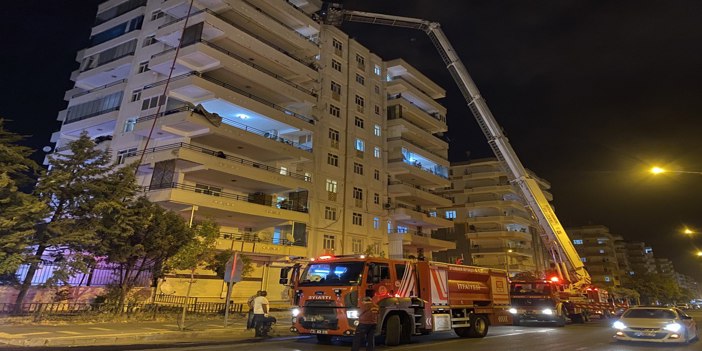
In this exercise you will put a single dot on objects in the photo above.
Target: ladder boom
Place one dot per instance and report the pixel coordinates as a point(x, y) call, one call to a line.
point(554, 236)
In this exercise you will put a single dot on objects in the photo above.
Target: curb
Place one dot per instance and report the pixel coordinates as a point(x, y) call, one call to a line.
point(129, 338)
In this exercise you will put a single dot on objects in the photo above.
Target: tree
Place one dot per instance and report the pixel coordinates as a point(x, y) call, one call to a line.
point(218, 264)
point(137, 235)
point(196, 254)
point(75, 185)
point(19, 211)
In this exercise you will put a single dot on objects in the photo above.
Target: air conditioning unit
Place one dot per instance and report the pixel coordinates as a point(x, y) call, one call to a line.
point(387, 206)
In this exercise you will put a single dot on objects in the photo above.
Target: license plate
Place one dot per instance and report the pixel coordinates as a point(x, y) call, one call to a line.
point(645, 334)
point(319, 331)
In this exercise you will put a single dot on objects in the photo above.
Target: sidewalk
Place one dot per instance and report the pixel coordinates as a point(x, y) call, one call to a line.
point(90, 334)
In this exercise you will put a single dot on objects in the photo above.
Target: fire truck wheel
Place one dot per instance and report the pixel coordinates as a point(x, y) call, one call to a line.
point(406, 331)
point(324, 339)
point(478, 326)
point(462, 332)
point(393, 329)
point(561, 321)
point(578, 318)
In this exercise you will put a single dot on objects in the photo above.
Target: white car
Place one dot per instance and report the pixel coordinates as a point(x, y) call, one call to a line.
point(655, 324)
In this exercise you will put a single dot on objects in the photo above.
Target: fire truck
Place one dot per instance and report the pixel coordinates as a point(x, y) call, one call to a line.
point(550, 301)
point(415, 297)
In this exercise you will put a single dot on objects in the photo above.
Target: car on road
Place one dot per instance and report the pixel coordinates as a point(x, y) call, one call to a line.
point(655, 324)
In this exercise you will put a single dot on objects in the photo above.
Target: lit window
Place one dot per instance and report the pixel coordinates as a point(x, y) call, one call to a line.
point(129, 125)
point(607, 278)
point(577, 242)
point(376, 130)
point(450, 214)
point(584, 259)
point(360, 145)
point(376, 223)
point(376, 152)
point(376, 70)
point(284, 170)
point(331, 186)
point(329, 242)
point(602, 251)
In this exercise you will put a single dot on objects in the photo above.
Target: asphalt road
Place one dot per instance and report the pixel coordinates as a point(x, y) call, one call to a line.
point(594, 335)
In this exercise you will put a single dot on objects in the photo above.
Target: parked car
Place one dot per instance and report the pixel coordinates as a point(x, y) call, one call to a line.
point(655, 324)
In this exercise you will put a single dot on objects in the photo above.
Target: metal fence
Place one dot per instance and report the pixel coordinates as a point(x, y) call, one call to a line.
point(100, 275)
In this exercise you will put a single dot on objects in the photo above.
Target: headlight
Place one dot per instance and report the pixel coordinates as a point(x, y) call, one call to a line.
point(619, 325)
point(512, 310)
point(674, 327)
point(295, 312)
point(352, 314)
point(547, 311)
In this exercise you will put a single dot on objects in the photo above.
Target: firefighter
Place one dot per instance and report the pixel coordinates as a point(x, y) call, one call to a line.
point(367, 322)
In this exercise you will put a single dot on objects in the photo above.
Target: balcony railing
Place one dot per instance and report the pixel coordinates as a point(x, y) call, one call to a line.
point(435, 115)
point(98, 88)
point(426, 169)
point(284, 205)
point(220, 154)
point(265, 239)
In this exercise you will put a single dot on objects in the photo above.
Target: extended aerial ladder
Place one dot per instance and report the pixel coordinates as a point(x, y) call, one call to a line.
point(568, 262)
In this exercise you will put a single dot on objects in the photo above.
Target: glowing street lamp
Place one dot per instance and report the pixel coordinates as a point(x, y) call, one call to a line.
point(658, 170)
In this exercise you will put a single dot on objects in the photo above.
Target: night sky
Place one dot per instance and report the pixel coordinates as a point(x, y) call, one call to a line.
point(590, 94)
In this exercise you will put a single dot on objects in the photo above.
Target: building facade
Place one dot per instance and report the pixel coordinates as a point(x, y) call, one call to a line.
point(596, 247)
point(492, 225)
point(255, 115)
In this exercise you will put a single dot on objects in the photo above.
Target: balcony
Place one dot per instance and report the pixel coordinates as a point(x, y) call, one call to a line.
point(417, 217)
point(221, 134)
point(261, 243)
point(399, 69)
point(202, 56)
point(417, 135)
point(249, 42)
point(416, 173)
point(217, 167)
point(416, 194)
point(398, 87)
point(498, 234)
point(399, 107)
point(230, 207)
point(413, 240)
point(196, 88)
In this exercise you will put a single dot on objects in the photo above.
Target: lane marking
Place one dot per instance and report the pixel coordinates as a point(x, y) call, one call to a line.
point(100, 329)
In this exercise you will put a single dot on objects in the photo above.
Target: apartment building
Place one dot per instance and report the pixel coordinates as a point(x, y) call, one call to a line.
point(596, 247)
point(492, 225)
point(640, 258)
point(417, 162)
point(251, 113)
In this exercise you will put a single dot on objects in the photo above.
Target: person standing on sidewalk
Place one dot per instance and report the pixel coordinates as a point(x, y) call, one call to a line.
point(367, 322)
point(250, 316)
point(262, 322)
